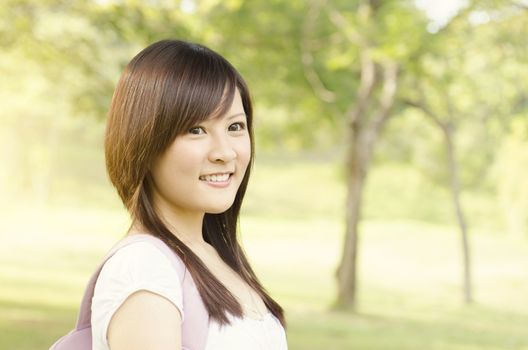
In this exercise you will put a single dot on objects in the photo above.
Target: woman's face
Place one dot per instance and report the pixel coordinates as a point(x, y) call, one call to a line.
point(203, 168)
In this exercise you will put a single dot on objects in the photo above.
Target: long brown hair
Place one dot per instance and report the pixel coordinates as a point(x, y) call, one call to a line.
point(166, 89)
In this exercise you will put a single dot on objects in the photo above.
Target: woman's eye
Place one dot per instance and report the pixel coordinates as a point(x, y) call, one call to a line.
point(196, 130)
point(237, 126)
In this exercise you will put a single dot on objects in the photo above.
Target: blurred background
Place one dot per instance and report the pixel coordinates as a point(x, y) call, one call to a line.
point(388, 207)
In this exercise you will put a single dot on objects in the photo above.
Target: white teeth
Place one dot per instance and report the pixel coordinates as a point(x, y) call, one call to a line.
point(215, 178)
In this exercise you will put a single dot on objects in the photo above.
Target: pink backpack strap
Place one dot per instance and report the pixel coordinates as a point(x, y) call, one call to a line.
point(195, 324)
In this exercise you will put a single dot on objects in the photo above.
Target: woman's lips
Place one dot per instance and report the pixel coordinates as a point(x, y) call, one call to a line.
point(217, 180)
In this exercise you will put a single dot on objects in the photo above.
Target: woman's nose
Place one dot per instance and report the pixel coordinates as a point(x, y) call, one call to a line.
point(222, 150)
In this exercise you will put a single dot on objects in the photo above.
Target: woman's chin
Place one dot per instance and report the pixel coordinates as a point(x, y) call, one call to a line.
point(219, 209)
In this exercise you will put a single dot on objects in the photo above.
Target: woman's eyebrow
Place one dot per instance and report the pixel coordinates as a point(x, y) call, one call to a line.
point(236, 115)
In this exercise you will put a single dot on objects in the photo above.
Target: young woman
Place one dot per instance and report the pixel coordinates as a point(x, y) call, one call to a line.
point(179, 148)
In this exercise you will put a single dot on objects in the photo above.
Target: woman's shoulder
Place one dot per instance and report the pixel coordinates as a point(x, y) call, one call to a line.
point(145, 248)
point(143, 251)
point(137, 261)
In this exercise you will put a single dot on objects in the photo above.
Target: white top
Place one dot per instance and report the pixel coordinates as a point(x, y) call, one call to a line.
point(142, 266)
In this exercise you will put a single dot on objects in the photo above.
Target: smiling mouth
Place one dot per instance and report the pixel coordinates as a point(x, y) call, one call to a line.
point(216, 177)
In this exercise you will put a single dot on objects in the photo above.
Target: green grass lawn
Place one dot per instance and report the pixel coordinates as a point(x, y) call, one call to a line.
point(409, 297)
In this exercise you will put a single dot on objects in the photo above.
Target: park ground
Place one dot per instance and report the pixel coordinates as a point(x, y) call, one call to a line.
point(409, 296)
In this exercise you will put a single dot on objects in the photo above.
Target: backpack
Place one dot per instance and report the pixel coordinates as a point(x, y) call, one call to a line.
point(194, 326)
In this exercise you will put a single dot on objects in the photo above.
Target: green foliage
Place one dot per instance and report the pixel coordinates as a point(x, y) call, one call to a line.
point(65, 58)
point(399, 32)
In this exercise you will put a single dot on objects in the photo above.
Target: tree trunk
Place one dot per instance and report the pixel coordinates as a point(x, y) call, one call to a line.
point(454, 184)
point(363, 133)
point(365, 118)
point(455, 192)
point(358, 159)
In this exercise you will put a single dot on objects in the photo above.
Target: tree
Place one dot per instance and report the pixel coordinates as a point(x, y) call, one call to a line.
point(374, 40)
point(448, 86)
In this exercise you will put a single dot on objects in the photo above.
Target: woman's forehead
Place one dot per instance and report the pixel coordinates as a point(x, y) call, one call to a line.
point(232, 110)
